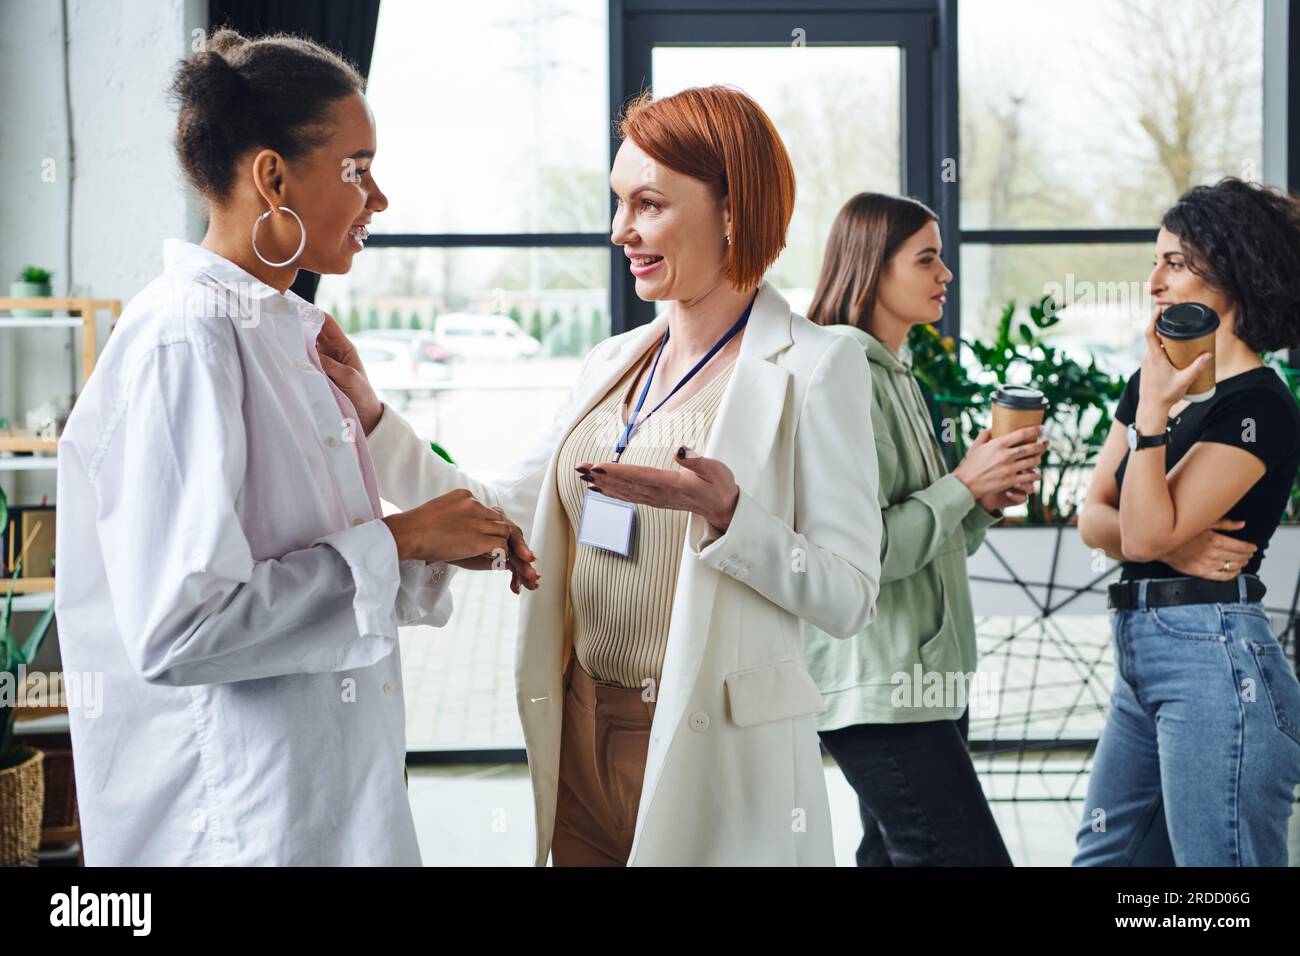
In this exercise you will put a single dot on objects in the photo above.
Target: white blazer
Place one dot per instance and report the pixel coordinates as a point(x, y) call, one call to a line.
point(734, 773)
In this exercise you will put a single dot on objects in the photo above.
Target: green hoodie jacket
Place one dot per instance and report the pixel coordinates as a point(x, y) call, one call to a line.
point(924, 623)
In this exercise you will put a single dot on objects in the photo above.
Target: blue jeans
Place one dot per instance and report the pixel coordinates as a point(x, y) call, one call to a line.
point(1200, 756)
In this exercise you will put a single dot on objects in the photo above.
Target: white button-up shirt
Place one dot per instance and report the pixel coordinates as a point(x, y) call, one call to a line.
point(222, 565)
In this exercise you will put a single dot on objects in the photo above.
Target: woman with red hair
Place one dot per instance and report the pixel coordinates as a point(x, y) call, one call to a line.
point(711, 481)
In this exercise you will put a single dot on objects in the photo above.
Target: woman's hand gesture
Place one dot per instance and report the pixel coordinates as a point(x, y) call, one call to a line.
point(339, 359)
point(702, 486)
point(1212, 555)
point(516, 557)
point(1162, 386)
point(457, 528)
point(1002, 471)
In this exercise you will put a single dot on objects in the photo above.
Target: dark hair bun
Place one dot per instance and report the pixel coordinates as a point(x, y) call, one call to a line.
point(240, 94)
point(207, 80)
point(225, 41)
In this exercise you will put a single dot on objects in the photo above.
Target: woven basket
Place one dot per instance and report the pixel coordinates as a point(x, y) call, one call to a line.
point(60, 790)
point(22, 803)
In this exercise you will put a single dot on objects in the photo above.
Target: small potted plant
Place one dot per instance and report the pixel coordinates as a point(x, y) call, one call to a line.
point(32, 282)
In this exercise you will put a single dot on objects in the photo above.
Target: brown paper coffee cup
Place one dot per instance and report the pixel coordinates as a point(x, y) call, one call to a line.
point(1016, 407)
point(1186, 329)
point(1182, 353)
point(1007, 420)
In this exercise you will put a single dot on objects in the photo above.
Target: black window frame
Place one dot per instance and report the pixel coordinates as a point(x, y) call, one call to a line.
point(1092, 236)
point(930, 103)
point(915, 26)
point(930, 108)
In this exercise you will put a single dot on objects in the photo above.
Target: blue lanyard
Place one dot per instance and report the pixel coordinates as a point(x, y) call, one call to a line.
point(632, 423)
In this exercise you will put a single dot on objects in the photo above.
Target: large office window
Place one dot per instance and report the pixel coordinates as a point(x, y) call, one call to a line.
point(489, 277)
point(1081, 122)
point(837, 110)
point(485, 282)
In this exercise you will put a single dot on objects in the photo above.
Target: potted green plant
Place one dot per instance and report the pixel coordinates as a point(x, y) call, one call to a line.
point(1034, 562)
point(22, 773)
point(1080, 398)
point(32, 282)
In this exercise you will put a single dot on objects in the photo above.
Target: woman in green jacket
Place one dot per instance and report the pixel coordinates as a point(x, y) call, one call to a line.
point(897, 712)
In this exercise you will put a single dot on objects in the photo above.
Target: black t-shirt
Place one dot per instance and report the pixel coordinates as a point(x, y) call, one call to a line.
point(1253, 411)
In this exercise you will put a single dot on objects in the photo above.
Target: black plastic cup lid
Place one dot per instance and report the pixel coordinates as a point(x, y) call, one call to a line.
point(1187, 320)
point(1019, 396)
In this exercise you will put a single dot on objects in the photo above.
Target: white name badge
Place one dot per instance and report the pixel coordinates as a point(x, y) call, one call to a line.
point(607, 523)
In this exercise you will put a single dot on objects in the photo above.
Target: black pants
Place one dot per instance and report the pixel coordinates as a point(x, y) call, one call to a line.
point(918, 795)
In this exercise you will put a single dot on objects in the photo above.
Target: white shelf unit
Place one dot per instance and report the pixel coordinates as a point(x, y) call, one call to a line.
point(36, 601)
point(28, 463)
point(52, 322)
point(37, 454)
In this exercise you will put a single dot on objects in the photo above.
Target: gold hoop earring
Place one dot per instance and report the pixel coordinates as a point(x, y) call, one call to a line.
point(302, 243)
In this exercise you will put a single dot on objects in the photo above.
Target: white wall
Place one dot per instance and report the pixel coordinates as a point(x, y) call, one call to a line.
point(125, 193)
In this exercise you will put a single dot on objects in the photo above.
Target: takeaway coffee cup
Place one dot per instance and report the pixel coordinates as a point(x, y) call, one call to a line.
point(1015, 407)
point(1186, 330)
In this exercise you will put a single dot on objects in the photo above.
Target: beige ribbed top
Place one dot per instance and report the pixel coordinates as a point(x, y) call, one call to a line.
point(622, 606)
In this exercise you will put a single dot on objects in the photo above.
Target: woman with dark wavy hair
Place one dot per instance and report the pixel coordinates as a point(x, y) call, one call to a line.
point(1200, 756)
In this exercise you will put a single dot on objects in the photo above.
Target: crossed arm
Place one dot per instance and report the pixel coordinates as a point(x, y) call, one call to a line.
point(1177, 519)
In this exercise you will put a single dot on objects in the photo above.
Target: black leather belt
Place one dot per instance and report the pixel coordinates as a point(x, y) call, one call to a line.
point(1169, 592)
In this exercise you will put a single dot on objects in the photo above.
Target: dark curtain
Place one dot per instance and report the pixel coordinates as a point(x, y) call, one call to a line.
point(345, 26)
